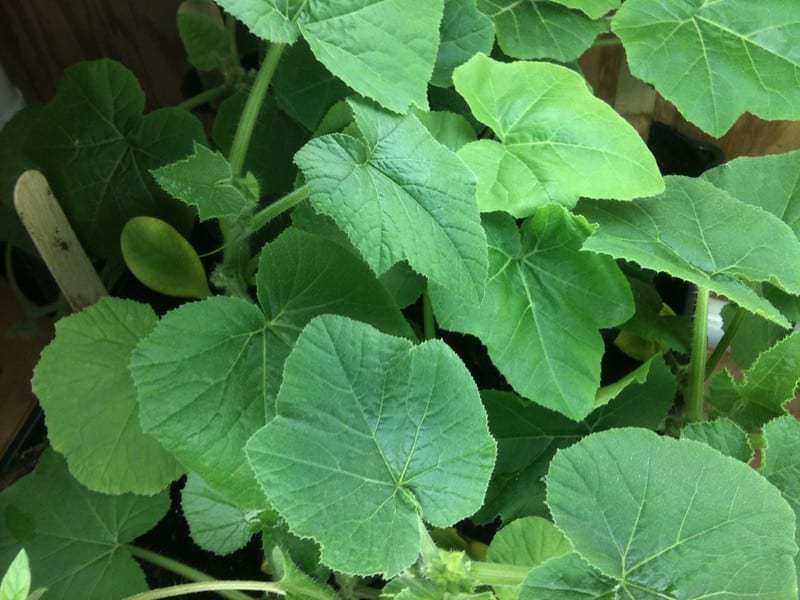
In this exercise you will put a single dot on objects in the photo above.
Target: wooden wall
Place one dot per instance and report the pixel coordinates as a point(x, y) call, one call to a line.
point(40, 38)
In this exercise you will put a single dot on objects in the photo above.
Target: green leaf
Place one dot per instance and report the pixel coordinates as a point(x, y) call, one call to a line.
point(544, 305)
point(693, 231)
point(768, 385)
point(272, 20)
point(96, 150)
point(464, 31)
point(539, 29)
point(204, 390)
point(722, 435)
point(83, 384)
point(557, 142)
point(204, 180)
point(449, 129)
point(528, 437)
point(399, 195)
point(75, 538)
point(367, 440)
point(16, 582)
point(162, 259)
point(297, 585)
point(526, 542)
point(203, 34)
point(754, 336)
point(275, 139)
point(594, 9)
point(716, 60)
point(13, 162)
point(216, 524)
point(712, 527)
point(781, 463)
point(570, 577)
point(304, 89)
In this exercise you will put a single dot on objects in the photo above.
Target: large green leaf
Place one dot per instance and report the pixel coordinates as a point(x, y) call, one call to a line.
point(75, 538)
point(541, 29)
point(673, 519)
point(557, 142)
point(83, 384)
point(768, 385)
point(716, 60)
point(368, 440)
point(387, 54)
point(400, 195)
point(528, 437)
point(570, 577)
point(208, 375)
point(593, 8)
point(694, 231)
point(13, 162)
point(544, 305)
point(96, 149)
point(464, 31)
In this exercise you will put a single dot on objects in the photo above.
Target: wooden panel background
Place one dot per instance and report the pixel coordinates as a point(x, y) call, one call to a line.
point(40, 38)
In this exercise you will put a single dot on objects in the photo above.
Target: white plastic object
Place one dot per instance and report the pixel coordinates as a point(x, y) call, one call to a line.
point(715, 328)
point(11, 99)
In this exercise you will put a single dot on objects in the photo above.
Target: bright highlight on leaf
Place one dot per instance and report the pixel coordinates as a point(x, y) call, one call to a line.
point(16, 582)
point(372, 434)
point(544, 305)
point(557, 142)
point(725, 57)
point(679, 519)
point(84, 371)
point(400, 195)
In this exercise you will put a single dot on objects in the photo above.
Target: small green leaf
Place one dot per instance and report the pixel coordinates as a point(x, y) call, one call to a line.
point(754, 336)
point(97, 149)
point(526, 542)
point(768, 385)
point(712, 527)
point(693, 231)
point(570, 577)
point(723, 435)
point(450, 129)
point(367, 440)
point(215, 524)
point(594, 9)
point(540, 29)
point(75, 538)
point(716, 60)
point(207, 376)
point(204, 180)
point(203, 34)
point(557, 142)
point(84, 386)
point(544, 305)
point(400, 195)
point(464, 31)
point(16, 582)
point(162, 259)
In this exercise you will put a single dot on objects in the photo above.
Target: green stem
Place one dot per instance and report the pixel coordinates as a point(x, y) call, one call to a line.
point(177, 591)
point(487, 573)
point(278, 207)
point(203, 97)
point(184, 571)
point(724, 342)
point(235, 260)
point(697, 369)
point(428, 321)
point(244, 131)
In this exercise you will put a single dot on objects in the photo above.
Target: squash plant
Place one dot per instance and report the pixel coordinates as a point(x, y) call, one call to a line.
point(434, 243)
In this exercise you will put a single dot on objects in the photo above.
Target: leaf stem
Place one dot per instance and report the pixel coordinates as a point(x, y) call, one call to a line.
point(252, 107)
point(724, 342)
point(488, 573)
point(428, 321)
point(203, 97)
point(693, 410)
point(278, 207)
point(184, 571)
point(223, 587)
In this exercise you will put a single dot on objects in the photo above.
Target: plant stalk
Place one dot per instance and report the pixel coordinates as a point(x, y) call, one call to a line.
point(428, 321)
point(724, 342)
point(693, 410)
point(277, 208)
point(235, 259)
point(244, 131)
point(223, 587)
point(184, 571)
point(203, 97)
point(488, 573)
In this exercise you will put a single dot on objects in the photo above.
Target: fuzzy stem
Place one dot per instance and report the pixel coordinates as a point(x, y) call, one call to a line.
point(184, 571)
point(244, 131)
point(203, 97)
point(278, 207)
point(724, 342)
point(223, 587)
point(488, 573)
point(693, 410)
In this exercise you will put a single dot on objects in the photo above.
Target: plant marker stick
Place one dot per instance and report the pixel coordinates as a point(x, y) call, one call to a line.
point(56, 242)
